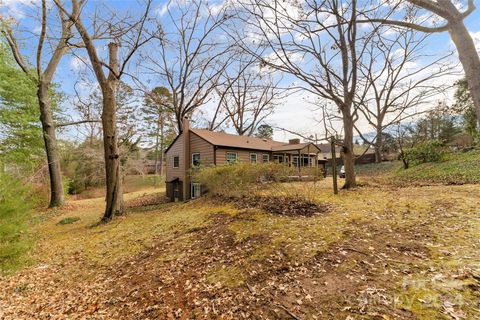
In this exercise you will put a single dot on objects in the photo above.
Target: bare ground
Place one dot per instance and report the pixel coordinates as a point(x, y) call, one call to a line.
point(396, 253)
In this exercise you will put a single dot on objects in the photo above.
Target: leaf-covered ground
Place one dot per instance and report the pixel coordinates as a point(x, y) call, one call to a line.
point(377, 253)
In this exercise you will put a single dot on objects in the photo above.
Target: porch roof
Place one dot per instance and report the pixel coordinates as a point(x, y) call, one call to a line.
point(305, 147)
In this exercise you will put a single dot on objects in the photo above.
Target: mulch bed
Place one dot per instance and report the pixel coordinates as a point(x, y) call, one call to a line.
point(288, 206)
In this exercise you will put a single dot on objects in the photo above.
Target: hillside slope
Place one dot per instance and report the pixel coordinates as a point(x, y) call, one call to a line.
point(399, 253)
point(455, 168)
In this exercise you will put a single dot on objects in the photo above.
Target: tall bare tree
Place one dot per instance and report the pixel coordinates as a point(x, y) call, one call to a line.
point(117, 31)
point(43, 78)
point(451, 15)
point(401, 79)
point(192, 56)
point(246, 97)
point(318, 43)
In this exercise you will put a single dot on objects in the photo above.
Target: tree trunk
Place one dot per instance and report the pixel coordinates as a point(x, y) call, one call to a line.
point(57, 197)
point(161, 146)
point(405, 163)
point(113, 176)
point(157, 133)
point(469, 58)
point(348, 155)
point(378, 146)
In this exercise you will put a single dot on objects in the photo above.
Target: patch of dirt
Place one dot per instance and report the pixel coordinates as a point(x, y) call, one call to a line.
point(147, 200)
point(288, 206)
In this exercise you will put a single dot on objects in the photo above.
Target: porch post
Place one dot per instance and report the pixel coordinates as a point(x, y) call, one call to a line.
point(308, 156)
point(299, 164)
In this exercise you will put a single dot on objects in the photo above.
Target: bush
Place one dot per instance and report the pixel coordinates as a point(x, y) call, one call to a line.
point(425, 151)
point(68, 220)
point(15, 207)
point(241, 179)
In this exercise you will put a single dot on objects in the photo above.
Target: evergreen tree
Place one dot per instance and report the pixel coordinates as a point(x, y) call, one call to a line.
point(464, 106)
point(21, 140)
point(264, 131)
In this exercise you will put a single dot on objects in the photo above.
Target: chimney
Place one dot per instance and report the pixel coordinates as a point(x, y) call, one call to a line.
point(186, 158)
point(294, 141)
point(185, 124)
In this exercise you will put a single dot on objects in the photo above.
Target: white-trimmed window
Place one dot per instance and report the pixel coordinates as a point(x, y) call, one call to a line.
point(196, 190)
point(231, 157)
point(295, 160)
point(195, 159)
point(266, 157)
point(253, 157)
point(176, 161)
point(278, 158)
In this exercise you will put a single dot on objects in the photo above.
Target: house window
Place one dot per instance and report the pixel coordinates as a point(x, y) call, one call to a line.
point(295, 161)
point(231, 157)
point(253, 158)
point(176, 161)
point(306, 161)
point(195, 159)
point(196, 190)
point(278, 158)
point(266, 157)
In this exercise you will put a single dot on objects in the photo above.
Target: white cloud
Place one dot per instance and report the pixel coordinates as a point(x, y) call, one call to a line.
point(78, 63)
point(476, 39)
point(16, 8)
point(163, 9)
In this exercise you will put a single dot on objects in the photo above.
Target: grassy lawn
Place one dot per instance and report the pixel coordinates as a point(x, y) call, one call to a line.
point(15, 209)
point(377, 253)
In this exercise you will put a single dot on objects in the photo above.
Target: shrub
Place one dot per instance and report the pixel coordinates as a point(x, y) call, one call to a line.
point(425, 151)
point(241, 179)
point(68, 220)
point(15, 206)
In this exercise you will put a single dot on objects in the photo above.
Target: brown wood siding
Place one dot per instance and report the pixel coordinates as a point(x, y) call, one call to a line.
point(175, 150)
point(198, 145)
point(243, 155)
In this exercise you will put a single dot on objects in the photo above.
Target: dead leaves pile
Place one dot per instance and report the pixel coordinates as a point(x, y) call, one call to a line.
point(281, 205)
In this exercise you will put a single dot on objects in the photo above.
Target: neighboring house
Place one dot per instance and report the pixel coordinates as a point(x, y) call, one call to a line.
point(326, 150)
point(196, 146)
point(362, 156)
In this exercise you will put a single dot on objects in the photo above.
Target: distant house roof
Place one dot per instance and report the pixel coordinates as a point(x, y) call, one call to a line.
point(326, 148)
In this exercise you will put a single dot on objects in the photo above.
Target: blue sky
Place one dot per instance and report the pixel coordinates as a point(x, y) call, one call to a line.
point(295, 114)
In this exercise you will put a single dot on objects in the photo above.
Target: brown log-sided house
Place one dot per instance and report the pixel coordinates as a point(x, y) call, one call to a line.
point(197, 146)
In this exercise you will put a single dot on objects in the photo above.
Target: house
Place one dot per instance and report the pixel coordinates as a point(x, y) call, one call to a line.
point(362, 154)
point(326, 150)
point(197, 146)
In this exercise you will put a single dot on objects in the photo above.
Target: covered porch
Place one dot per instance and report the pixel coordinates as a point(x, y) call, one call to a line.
point(302, 156)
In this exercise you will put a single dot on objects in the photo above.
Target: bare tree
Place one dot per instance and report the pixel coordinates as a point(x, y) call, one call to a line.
point(247, 97)
point(451, 16)
point(191, 57)
point(43, 78)
point(157, 112)
point(400, 80)
point(89, 110)
point(130, 34)
point(318, 43)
